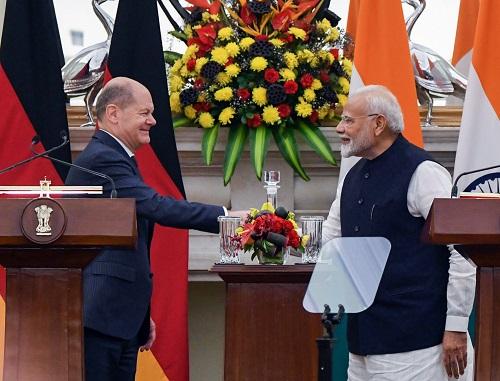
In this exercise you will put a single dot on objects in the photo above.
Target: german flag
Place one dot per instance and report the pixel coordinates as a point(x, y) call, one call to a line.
point(136, 52)
point(31, 99)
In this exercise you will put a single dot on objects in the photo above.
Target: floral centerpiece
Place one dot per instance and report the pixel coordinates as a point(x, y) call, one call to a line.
point(260, 68)
point(269, 234)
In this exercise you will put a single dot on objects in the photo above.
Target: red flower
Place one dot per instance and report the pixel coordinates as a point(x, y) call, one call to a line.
point(229, 61)
point(314, 116)
point(287, 226)
point(254, 122)
point(271, 75)
point(290, 87)
point(202, 106)
point(243, 94)
point(198, 84)
point(289, 37)
point(293, 239)
point(324, 77)
point(281, 21)
point(302, 24)
point(207, 34)
point(284, 110)
point(246, 15)
point(191, 64)
point(306, 80)
point(261, 37)
point(335, 53)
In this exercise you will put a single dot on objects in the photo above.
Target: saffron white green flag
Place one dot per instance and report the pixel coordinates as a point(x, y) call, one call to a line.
point(479, 139)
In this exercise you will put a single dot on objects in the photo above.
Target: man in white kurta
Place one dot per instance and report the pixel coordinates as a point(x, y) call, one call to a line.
point(371, 123)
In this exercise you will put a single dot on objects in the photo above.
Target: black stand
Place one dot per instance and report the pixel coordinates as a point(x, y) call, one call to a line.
point(325, 343)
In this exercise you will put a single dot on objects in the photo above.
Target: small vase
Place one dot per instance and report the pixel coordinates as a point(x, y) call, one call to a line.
point(278, 259)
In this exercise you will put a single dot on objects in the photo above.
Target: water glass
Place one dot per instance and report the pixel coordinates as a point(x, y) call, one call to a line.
point(312, 226)
point(229, 245)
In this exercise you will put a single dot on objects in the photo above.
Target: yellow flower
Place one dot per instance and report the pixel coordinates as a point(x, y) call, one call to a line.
point(304, 240)
point(190, 112)
point(323, 111)
point(258, 63)
point(220, 55)
point(316, 85)
point(333, 35)
point(202, 97)
point(184, 72)
point(225, 33)
point(223, 78)
point(287, 74)
point(224, 94)
point(253, 212)
point(309, 95)
point(259, 96)
point(232, 70)
point(323, 25)
point(277, 42)
point(232, 49)
point(246, 42)
point(176, 67)
point(344, 85)
point(303, 109)
point(206, 120)
point(175, 102)
point(326, 56)
point(175, 83)
point(291, 60)
point(314, 62)
point(190, 53)
point(342, 99)
point(271, 115)
point(305, 55)
point(347, 66)
point(295, 226)
point(199, 63)
point(298, 33)
point(267, 206)
point(226, 115)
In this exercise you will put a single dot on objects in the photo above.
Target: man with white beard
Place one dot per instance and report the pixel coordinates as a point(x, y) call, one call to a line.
point(416, 328)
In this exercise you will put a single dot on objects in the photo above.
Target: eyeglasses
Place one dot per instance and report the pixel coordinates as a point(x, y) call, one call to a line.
point(348, 120)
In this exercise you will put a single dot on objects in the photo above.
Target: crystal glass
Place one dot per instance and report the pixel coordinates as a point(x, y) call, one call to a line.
point(272, 179)
point(229, 245)
point(312, 226)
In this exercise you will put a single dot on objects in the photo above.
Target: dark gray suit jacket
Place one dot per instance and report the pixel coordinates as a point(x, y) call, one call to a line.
point(118, 283)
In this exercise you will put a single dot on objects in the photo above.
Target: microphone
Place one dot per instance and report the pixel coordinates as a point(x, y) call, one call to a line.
point(64, 137)
point(454, 189)
point(35, 140)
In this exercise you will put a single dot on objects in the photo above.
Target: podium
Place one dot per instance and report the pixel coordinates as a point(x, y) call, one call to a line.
point(269, 335)
point(44, 330)
point(474, 224)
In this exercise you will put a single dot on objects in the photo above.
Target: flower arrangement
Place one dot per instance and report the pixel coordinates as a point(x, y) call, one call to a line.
point(268, 233)
point(260, 68)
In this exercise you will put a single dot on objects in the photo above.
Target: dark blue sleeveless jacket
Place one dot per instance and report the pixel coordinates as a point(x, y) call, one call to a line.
point(409, 311)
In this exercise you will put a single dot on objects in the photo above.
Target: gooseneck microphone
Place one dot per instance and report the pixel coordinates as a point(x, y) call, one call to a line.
point(64, 137)
point(34, 141)
point(454, 189)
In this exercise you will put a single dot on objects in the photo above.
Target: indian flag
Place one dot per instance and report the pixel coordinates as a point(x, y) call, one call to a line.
point(480, 128)
point(382, 57)
point(464, 38)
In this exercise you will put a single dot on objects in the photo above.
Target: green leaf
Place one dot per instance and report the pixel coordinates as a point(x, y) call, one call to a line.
point(259, 142)
point(180, 35)
point(208, 143)
point(170, 57)
point(287, 145)
point(182, 121)
point(235, 143)
point(315, 138)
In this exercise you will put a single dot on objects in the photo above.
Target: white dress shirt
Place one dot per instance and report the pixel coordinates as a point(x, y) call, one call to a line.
point(429, 181)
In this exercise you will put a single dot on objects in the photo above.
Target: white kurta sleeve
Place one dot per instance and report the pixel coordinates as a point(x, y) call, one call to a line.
point(331, 226)
point(430, 181)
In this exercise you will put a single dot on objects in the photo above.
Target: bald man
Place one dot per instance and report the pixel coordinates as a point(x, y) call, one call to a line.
point(118, 283)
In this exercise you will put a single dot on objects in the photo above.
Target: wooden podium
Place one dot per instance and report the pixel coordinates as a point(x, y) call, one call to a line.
point(474, 224)
point(44, 331)
point(269, 335)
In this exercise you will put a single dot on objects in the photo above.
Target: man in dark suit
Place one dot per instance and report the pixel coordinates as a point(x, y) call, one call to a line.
point(117, 284)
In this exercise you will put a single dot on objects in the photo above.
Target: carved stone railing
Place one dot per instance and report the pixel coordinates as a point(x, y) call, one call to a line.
point(205, 184)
